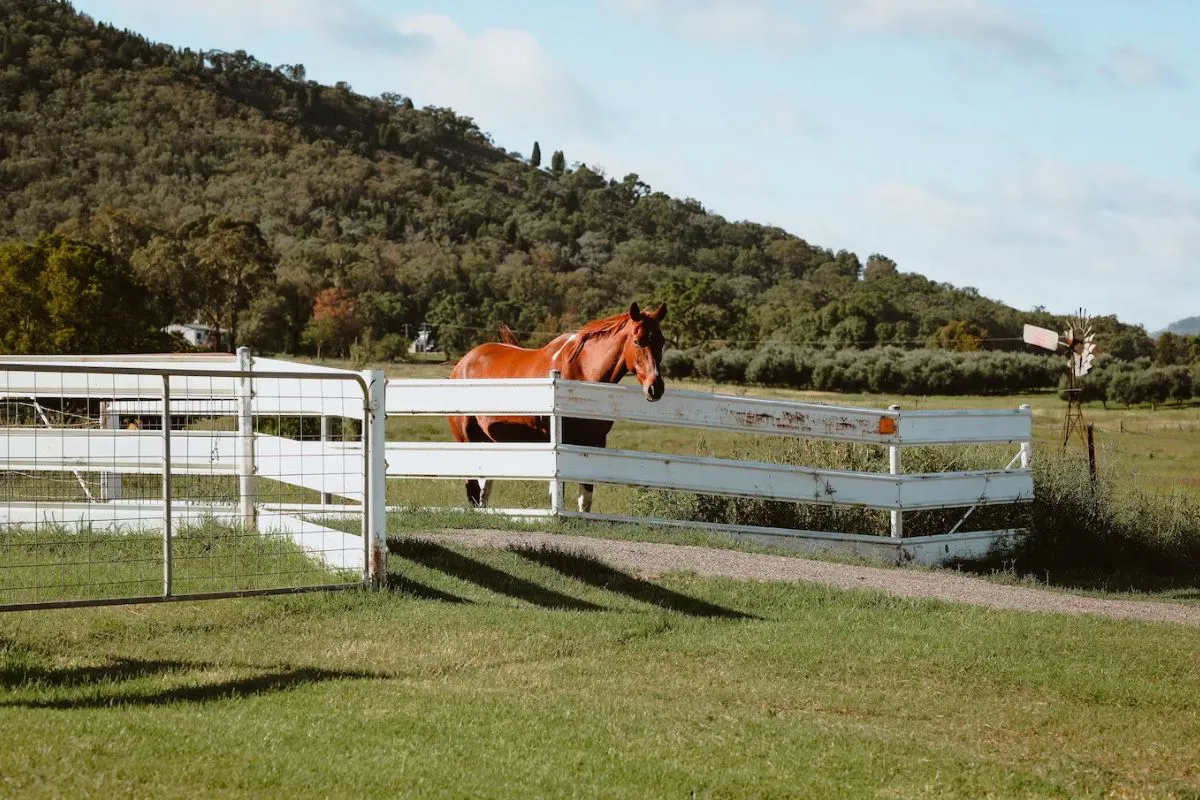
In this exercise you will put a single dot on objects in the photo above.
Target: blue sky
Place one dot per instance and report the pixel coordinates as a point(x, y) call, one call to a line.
point(1042, 152)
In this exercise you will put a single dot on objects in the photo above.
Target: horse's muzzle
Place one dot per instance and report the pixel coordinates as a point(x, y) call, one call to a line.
point(654, 391)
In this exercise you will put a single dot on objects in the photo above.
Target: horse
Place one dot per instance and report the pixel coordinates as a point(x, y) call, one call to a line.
point(602, 351)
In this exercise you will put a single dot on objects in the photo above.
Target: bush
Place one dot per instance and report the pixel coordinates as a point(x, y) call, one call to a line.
point(725, 366)
point(679, 364)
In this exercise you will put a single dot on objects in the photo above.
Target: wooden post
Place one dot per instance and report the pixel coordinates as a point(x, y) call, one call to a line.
point(110, 482)
point(375, 475)
point(1091, 444)
point(556, 487)
point(246, 460)
point(1027, 447)
point(326, 428)
point(896, 468)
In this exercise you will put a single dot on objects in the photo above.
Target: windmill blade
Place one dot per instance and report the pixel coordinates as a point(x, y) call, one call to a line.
point(1040, 337)
point(1082, 361)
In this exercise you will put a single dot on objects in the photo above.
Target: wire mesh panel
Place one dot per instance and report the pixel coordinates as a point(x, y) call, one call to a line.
point(167, 481)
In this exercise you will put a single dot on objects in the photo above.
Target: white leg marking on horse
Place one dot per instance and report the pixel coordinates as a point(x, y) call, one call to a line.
point(485, 492)
point(585, 500)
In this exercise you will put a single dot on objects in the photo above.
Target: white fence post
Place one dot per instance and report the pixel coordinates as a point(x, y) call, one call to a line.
point(110, 482)
point(326, 436)
point(556, 486)
point(1027, 447)
point(168, 566)
point(246, 461)
point(375, 480)
point(896, 468)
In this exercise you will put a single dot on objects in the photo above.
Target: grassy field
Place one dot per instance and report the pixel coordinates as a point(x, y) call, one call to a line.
point(533, 673)
point(49, 564)
point(544, 674)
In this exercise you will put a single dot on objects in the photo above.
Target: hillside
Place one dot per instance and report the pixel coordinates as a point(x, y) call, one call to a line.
point(1189, 326)
point(190, 165)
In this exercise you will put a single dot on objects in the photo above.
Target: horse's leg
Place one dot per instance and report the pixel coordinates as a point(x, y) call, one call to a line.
point(466, 429)
point(594, 435)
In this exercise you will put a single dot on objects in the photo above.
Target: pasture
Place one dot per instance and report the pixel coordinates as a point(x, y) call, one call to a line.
point(531, 673)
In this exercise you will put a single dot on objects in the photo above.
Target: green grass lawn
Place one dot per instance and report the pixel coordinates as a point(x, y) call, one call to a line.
point(536, 674)
point(49, 564)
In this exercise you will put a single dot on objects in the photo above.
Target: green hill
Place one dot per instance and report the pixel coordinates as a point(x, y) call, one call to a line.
point(1189, 326)
point(246, 194)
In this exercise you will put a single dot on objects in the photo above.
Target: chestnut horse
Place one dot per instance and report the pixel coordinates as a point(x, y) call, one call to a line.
point(602, 351)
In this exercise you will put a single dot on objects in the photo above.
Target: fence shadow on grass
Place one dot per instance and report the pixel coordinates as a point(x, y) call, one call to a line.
point(454, 564)
point(420, 591)
point(593, 572)
point(102, 685)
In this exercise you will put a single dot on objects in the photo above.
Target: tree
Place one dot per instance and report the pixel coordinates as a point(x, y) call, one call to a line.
point(958, 335)
point(535, 158)
point(335, 321)
point(216, 267)
point(879, 266)
point(62, 295)
point(558, 163)
point(1170, 349)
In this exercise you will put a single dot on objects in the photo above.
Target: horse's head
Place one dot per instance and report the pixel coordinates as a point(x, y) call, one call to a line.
point(643, 349)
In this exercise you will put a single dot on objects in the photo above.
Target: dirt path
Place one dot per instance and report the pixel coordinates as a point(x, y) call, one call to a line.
point(648, 560)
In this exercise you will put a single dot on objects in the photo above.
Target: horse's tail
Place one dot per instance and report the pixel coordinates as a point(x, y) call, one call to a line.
point(506, 335)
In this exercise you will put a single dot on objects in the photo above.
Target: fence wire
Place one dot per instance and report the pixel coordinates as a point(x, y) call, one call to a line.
point(260, 502)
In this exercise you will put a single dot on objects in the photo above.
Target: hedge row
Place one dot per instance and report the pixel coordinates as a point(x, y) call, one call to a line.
point(1133, 383)
point(880, 370)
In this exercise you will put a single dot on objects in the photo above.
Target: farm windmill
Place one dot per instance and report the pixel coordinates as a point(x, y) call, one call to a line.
point(1079, 340)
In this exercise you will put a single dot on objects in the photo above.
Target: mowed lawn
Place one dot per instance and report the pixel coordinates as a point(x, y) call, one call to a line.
point(538, 674)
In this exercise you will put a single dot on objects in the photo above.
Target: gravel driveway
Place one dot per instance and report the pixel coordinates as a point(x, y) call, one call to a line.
point(647, 560)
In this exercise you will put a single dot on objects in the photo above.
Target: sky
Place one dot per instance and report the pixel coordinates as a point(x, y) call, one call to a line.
point(1044, 152)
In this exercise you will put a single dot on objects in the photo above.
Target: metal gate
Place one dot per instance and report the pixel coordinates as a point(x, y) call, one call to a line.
point(159, 478)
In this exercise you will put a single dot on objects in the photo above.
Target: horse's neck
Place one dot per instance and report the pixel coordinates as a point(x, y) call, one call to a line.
point(602, 360)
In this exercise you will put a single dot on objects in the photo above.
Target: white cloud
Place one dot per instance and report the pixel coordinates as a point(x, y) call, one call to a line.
point(1131, 68)
point(1104, 238)
point(721, 20)
point(500, 75)
point(977, 22)
point(981, 24)
point(346, 23)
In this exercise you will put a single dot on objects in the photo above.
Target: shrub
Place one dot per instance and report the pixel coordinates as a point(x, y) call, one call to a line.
point(679, 364)
point(725, 366)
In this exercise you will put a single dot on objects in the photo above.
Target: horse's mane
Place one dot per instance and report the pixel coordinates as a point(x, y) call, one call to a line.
point(595, 329)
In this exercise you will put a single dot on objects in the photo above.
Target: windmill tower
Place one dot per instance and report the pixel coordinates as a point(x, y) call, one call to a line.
point(1079, 341)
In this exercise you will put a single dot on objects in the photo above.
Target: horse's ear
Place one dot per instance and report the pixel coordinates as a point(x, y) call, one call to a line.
point(660, 313)
point(635, 313)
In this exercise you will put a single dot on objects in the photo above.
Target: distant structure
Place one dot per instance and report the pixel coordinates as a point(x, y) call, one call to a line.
point(1080, 342)
point(197, 334)
point(426, 341)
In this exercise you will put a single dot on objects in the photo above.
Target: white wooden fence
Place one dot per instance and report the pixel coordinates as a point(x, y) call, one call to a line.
point(894, 491)
point(350, 476)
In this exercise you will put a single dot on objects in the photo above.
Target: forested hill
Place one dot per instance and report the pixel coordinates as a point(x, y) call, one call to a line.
point(245, 194)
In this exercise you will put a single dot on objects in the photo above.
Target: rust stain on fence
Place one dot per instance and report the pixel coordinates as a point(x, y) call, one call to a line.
point(801, 422)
